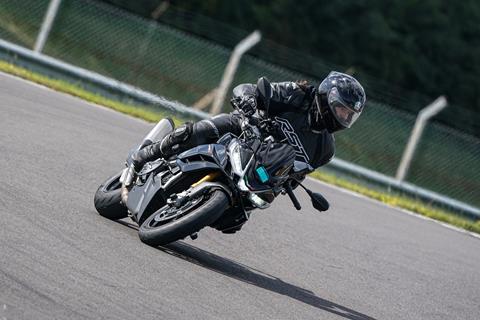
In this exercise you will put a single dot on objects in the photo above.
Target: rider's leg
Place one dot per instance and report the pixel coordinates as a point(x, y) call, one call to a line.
point(188, 136)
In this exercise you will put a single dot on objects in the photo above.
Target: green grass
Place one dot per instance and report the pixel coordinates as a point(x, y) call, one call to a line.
point(142, 112)
point(403, 202)
point(138, 111)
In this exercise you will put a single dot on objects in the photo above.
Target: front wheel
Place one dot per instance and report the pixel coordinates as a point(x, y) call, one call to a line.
point(174, 222)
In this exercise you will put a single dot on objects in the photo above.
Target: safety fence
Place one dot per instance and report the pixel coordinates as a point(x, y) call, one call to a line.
point(180, 66)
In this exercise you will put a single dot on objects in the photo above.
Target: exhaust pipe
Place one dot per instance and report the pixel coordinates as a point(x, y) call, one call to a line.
point(160, 131)
point(126, 179)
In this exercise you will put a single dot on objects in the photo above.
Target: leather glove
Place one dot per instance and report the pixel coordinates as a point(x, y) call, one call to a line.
point(246, 104)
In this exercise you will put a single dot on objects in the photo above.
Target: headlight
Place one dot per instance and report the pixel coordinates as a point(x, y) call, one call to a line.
point(235, 157)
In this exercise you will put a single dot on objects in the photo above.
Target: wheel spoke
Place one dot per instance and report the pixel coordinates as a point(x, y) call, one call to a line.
point(170, 213)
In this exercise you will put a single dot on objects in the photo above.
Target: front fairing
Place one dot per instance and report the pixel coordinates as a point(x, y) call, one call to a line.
point(154, 183)
point(140, 196)
point(205, 152)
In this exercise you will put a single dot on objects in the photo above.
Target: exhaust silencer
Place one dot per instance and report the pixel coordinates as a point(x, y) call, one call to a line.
point(160, 131)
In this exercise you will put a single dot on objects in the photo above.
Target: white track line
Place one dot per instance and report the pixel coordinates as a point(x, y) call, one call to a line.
point(411, 213)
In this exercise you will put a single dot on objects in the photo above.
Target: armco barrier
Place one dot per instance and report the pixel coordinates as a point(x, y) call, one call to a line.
point(100, 80)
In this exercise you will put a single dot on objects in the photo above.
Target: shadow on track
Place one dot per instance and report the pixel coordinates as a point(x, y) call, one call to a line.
point(254, 277)
point(257, 278)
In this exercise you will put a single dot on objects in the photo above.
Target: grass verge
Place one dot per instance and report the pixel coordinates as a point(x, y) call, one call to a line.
point(403, 202)
point(138, 111)
point(142, 112)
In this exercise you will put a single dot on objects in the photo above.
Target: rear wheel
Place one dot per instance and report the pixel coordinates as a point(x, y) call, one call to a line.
point(108, 199)
point(176, 221)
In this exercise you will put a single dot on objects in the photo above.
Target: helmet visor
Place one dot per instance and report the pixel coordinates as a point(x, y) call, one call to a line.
point(345, 113)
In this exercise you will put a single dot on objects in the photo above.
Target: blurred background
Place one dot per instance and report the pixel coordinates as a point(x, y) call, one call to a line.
point(406, 53)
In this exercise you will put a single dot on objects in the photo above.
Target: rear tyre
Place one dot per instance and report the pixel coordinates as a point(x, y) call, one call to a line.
point(169, 223)
point(108, 199)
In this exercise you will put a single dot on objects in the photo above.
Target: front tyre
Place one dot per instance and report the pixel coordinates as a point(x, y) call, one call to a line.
point(108, 199)
point(171, 223)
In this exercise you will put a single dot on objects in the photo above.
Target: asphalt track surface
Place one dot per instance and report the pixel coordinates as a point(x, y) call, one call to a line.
point(60, 260)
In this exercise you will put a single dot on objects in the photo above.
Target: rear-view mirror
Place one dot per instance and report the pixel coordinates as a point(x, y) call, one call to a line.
point(319, 202)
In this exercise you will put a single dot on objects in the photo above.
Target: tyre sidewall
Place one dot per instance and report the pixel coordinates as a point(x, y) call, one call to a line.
point(199, 218)
point(108, 202)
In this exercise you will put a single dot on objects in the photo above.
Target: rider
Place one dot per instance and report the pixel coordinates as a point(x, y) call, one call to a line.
point(308, 117)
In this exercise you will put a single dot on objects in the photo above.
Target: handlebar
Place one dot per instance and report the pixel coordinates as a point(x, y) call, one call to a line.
point(259, 123)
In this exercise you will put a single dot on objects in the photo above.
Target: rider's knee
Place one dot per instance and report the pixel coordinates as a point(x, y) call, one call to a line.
point(205, 131)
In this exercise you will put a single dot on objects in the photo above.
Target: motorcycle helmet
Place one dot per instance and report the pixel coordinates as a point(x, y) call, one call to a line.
point(338, 103)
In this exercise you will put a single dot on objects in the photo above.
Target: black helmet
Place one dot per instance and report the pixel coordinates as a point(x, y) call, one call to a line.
point(339, 101)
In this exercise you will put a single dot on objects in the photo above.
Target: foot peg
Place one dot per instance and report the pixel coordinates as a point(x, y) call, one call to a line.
point(194, 236)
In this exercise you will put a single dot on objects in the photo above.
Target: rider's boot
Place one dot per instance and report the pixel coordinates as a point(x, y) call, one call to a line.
point(164, 148)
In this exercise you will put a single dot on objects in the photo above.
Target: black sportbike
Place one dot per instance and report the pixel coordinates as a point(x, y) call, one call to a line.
point(216, 185)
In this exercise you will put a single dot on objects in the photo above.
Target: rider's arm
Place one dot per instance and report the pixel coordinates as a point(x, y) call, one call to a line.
point(287, 96)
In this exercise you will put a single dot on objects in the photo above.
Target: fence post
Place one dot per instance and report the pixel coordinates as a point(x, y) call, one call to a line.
point(242, 47)
point(423, 116)
point(46, 25)
point(143, 47)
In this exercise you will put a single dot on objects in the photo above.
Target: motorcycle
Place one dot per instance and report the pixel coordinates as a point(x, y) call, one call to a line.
point(216, 185)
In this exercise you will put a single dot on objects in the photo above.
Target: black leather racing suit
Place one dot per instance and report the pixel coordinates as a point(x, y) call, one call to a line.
point(289, 106)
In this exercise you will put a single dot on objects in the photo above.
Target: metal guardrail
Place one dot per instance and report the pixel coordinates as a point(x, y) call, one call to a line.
point(98, 79)
point(405, 187)
point(148, 97)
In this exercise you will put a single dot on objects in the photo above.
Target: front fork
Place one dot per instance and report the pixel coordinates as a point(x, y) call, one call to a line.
point(209, 177)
